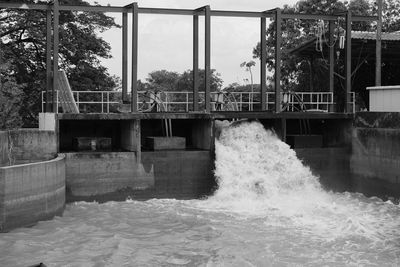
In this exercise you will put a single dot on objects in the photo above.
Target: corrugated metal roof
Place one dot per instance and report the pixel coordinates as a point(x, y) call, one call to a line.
point(386, 36)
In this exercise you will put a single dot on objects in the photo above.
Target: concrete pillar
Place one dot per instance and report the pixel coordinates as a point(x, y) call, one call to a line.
point(130, 135)
point(202, 134)
point(47, 121)
point(280, 128)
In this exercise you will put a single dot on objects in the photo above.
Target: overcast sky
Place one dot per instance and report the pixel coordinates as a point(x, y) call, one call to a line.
point(165, 41)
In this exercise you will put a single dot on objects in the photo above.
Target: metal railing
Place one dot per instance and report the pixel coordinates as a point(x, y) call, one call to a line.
point(110, 101)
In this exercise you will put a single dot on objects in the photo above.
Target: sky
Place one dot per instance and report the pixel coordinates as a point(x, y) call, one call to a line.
point(165, 41)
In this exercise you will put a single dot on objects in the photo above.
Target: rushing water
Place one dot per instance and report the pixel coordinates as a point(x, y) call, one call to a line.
point(269, 210)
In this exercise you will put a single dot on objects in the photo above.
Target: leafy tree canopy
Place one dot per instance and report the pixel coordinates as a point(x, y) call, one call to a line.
point(302, 73)
point(23, 43)
point(10, 97)
point(173, 81)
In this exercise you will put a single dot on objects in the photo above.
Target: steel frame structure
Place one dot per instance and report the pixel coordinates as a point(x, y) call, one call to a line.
point(53, 9)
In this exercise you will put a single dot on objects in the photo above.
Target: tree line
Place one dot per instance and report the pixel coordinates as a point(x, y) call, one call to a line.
point(23, 58)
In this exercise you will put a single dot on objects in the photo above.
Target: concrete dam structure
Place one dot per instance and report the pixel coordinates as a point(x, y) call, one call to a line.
point(261, 182)
point(118, 156)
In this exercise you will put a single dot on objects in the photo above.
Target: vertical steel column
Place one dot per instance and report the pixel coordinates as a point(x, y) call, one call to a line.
point(278, 42)
point(56, 17)
point(125, 57)
point(348, 62)
point(263, 62)
point(311, 84)
point(195, 62)
point(134, 56)
point(207, 74)
point(49, 81)
point(331, 60)
point(378, 61)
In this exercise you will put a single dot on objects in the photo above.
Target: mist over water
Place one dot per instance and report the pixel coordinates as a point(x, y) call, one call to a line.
point(269, 210)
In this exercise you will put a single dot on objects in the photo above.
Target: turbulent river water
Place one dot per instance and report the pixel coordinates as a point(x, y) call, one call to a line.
point(269, 210)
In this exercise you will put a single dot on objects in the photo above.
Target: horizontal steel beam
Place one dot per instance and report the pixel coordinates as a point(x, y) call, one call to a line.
point(93, 8)
point(171, 11)
point(326, 17)
point(166, 11)
point(242, 14)
point(23, 6)
point(364, 18)
point(141, 10)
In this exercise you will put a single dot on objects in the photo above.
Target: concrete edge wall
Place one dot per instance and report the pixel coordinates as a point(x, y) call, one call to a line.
point(3, 148)
point(107, 176)
point(31, 192)
point(31, 145)
point(375, 158)
point(99, 173)
point(331, 165)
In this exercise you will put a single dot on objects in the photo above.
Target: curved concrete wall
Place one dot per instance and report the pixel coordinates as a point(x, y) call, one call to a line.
point(31, 192)
point(31, 145)
point(27, 145)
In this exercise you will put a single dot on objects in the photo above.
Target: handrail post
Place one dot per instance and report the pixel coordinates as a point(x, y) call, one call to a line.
point(187, 101)
point(102, 102)
point(56, 111)
point(77, 99)
point(43, 102)
point(108, 102)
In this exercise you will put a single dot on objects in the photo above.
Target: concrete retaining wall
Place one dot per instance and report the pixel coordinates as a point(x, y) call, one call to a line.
point(100, 174)
point(375, 159)
point(3, 148)
point(116, 176)
point(31, 192)
point(330, 164)
point(31, 145)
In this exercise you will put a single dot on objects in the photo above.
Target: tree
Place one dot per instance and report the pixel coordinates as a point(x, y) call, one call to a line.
point(391, 15)
point(296, 72)
point(10, 99)
point(170, 81)
point(248, 66)
point(163, 80)
point(183, 82)
point(23, 41)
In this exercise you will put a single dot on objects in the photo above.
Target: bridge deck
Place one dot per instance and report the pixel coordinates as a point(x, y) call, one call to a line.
point(200, 115)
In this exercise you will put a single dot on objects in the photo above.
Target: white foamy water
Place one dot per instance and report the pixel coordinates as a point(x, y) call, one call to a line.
point(269, 210)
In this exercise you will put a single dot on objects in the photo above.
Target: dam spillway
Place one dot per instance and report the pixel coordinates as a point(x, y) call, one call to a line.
point(192, 172)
